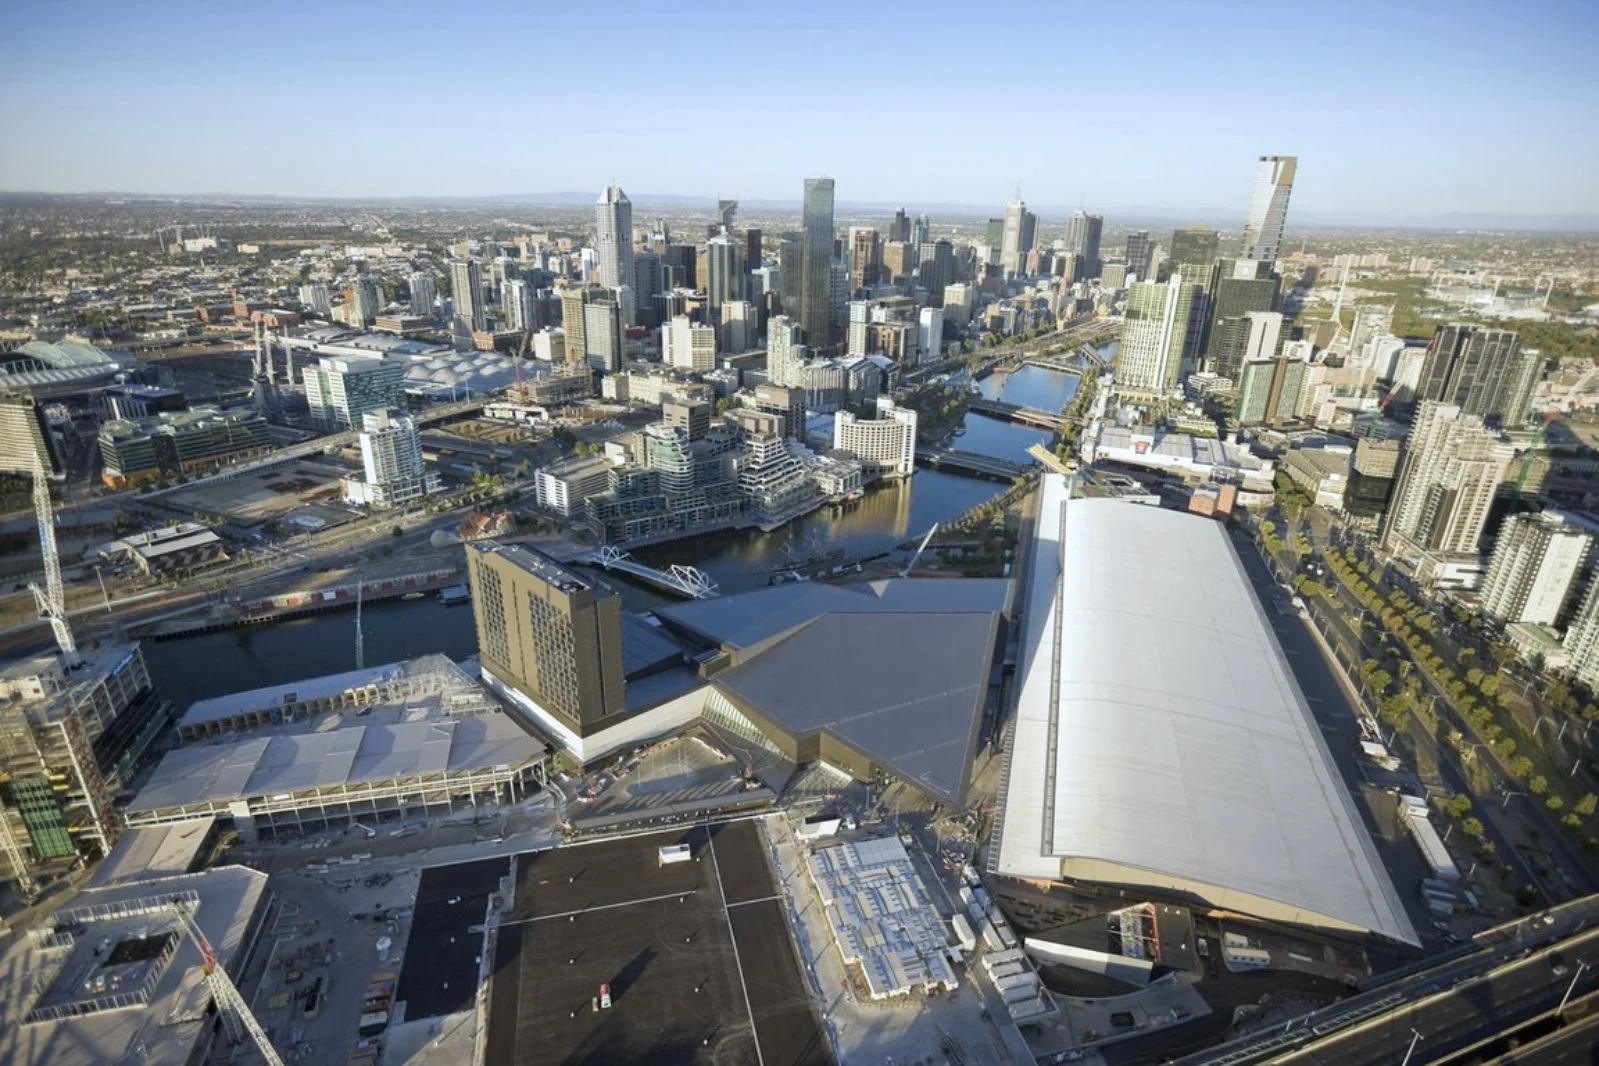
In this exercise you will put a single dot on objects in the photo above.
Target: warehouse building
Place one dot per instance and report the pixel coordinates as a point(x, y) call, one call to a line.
point(1161, 744)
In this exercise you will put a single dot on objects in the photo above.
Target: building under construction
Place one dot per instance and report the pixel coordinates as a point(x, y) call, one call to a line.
point(69, 739)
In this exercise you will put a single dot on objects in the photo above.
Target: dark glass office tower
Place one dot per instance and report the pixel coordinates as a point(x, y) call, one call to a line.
point(816, 281)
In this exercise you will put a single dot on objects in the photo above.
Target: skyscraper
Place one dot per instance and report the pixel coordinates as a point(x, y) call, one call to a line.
point(1016, 236)
point(1082, 242)
point(866, 258)
point(790, 273)
point(516, 300)
point(1149, 358)
point(785, 352)
point(603, 337)
point(613, 226)
point(1448, 472)
point(816, 281)
point(900, 228)
point(1582, 638)
point(391, 459)
point(1483, 371)
point(1140, 248)
point(549, 639)
point(466, 283)
point(1535, 562)
point(936, 271)
point(424, 294)
point(1193, 254)
point(1238, 286)
point(725, 273)
point(1268, 207)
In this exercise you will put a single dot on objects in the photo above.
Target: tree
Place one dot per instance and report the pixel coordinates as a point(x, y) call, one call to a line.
point(1554, 803)
point(1537, 784)
point(1586, 805)
point(1472, 827)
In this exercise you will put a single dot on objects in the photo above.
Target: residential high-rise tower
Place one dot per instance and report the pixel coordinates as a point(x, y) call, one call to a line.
point(1448, 473)
point(613, 225)
point(1268, 207)
point(1483, 371)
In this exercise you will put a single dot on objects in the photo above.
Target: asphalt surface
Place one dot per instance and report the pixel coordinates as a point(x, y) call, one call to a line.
point(440, 972)
point(1468, 1013)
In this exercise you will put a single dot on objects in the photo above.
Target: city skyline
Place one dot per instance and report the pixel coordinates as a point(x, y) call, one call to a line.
point(129, 122)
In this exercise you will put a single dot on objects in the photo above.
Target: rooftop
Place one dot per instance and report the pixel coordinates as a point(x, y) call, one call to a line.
point(148, 852)
point(540, 565)
point(1161, 739)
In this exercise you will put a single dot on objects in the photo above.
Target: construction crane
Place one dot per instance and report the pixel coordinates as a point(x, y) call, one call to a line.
point(236, 1015)
point(51, 599)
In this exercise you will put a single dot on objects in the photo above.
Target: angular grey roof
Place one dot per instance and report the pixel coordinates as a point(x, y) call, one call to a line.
point(905, 689)
point(1161, 739)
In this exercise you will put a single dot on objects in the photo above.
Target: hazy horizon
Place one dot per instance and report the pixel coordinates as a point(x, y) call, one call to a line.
point(1397, 112)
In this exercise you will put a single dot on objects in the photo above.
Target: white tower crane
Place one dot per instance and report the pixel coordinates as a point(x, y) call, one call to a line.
point(923, 547)
point(52, 598)
point(236, 1015)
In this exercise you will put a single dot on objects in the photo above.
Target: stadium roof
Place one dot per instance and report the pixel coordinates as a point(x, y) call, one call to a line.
point(1160, 739)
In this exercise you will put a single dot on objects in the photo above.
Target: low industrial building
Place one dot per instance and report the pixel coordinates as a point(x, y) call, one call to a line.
point(1162, 746)
point(115, 977)
point(417, 737)
point(185, 546)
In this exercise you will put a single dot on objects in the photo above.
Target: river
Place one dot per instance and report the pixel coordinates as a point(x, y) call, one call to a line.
point(212, 664)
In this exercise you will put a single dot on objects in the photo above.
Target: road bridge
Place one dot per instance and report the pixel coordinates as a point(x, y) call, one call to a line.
point(1031, 416)
point(960, 462)
point(685, 581)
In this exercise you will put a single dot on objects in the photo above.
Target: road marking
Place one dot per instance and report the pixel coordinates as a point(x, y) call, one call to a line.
point(747, 902)
point(601, 907)
point(737, 962)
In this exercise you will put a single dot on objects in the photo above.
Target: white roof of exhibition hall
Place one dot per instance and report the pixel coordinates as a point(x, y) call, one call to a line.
point(1161, 740)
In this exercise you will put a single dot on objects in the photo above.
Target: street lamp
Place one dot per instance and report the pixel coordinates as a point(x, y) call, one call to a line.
point(1507, 794)
point(1581, 966)
point(1415, 1038)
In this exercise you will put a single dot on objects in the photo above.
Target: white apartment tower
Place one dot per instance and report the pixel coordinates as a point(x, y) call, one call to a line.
point(1268, 207)
point(785, 352)
point(391, 458)
point(1535, 562)
point(1448, 473)
point(688, 345)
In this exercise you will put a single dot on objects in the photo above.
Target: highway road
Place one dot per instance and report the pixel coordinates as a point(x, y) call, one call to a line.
point(1465, 1014)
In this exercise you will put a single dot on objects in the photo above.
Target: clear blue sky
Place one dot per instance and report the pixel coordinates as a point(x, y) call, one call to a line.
point(1398, 108)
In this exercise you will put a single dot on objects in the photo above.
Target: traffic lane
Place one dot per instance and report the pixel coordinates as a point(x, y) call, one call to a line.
point(1336, 716)
point(1571, 1046)
point(1513, 993)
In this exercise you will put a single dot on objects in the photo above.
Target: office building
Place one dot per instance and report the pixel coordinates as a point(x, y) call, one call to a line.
point(959, 300)
point(391, 460)
point(550, 637)
point(790, 273)
point(549, 345)
point(1083, 233)
point(574, 299)
point(516, 301)
point(785, 351)
point(816, 273)
point(724, 273)
point(362, 302)
point(315, 297)
point(613, 226)
point(424, 295)
point(1483, 372)
point(691, 416)
point(865, 258)
point(648, 283)
point(936, 268)
point(688, 345)
point(1268, 207)
point(1193, 254)
point(466, 285)
point(787, 403)
point(736, 326)
point(1370, 322)
point(899, 227)
point(857, 334)
point(1448, 473)
point(172, 443)
point(1238, 287)
point(930, 335)
point(340, 389)
point(562, 487)
point(886, 445)
point(1017, 231)
point(1149, 359)
point(1535, 562)
point(1139, 256)
point(603, 336)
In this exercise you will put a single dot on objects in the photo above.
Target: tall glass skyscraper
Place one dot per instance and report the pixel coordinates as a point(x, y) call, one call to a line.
point(1268, 207)
point(1082, 241)
point(613, 226)
point(816, 280)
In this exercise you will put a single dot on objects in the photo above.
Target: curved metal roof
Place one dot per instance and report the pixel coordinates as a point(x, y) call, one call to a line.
point(1161, 739)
